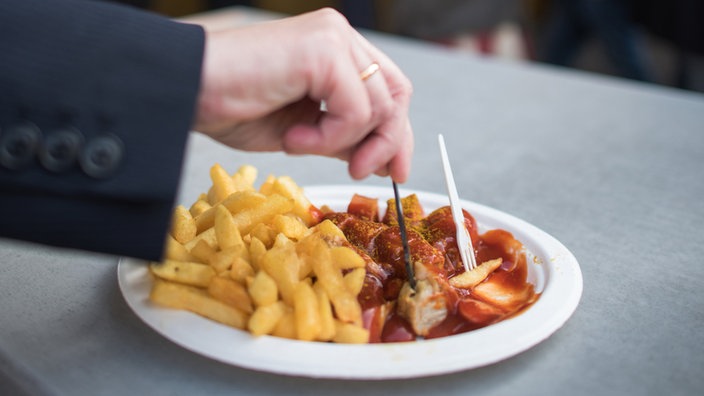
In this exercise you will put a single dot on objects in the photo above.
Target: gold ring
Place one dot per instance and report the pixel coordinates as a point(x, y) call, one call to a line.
point(369, 71)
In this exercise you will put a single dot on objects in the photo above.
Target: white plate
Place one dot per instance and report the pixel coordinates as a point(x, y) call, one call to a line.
point(552, 269)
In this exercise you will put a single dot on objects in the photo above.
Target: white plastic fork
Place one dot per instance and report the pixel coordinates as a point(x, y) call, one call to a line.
point(464, 242)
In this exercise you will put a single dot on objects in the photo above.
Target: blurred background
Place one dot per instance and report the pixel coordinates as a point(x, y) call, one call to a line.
point(655, 41)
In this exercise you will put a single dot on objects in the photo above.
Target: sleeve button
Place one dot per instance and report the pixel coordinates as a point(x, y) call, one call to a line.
point(18, 145)
point(60, 149)
point(101, 156)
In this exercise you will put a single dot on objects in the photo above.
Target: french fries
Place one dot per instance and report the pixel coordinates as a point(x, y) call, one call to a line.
point(345, 303)
point(186, 272)
point(307, 313)
point(255, 259)
point(263, 289)
point(176, 251)
point(265, 318)
point(179, 296)
point(231, 293)
point(183, 227)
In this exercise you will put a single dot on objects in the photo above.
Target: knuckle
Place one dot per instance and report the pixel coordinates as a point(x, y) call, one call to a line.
point(404, 87)
point(332, 28)
point(328, 12)
point(360, 116)
point(384, 109)
point(332, 17)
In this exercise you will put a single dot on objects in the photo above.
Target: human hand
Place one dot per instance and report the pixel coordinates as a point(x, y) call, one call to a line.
point(262, 86)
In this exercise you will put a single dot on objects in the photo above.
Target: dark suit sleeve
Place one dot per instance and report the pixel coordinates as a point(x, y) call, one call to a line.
point(96, 102)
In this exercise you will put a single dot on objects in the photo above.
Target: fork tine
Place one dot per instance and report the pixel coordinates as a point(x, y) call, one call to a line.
point(464, 242)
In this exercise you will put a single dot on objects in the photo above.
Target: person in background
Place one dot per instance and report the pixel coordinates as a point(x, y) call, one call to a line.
point(98, 100)
point(572, 22)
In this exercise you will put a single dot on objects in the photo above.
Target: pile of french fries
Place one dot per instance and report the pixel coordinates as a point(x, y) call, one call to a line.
point(258, 260)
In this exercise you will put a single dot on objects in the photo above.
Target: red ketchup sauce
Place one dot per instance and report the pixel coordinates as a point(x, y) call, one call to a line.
point(431, 238)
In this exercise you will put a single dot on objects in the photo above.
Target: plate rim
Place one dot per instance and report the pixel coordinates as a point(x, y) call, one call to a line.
point(311, 359)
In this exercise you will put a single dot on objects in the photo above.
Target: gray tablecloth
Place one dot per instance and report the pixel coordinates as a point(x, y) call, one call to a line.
point(613, 169)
